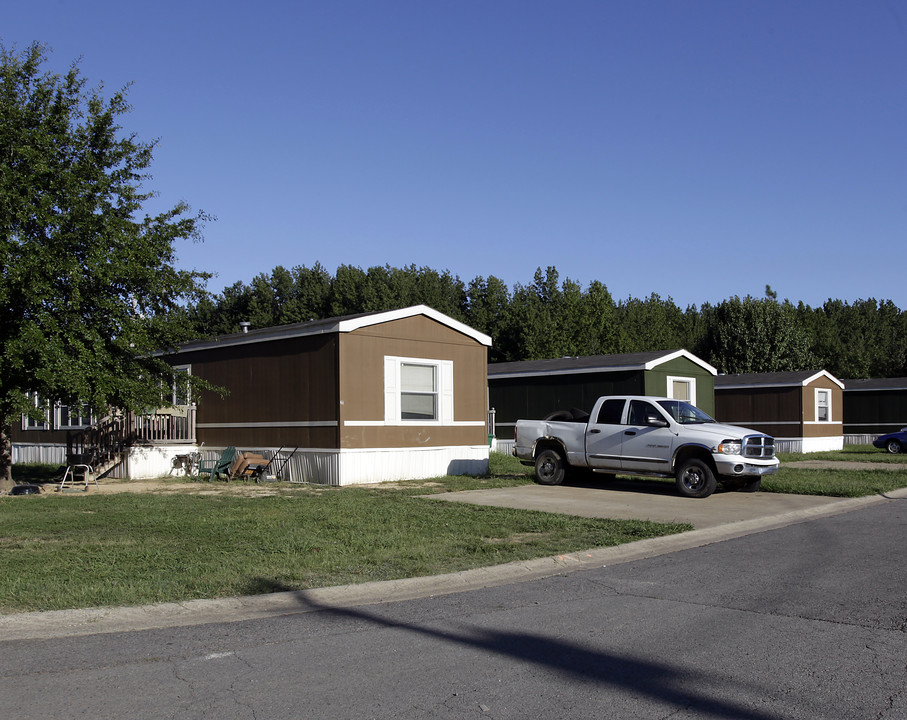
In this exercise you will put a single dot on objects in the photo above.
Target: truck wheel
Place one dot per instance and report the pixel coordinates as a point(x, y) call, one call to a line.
point(695, 479)
point(550, 467)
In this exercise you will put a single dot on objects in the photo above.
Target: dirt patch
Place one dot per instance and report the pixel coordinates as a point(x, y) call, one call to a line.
point(163, 486)
point(173, 486)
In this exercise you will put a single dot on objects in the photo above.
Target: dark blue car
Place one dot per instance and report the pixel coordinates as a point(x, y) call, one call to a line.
point(892, 442)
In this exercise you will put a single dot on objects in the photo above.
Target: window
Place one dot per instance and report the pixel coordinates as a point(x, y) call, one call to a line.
point(73, 416)
point(640, 411)
point(39, 422)
point(610, 412)
point(180, 394)
point(418, 392)
point(682, 388)
point(823, 406)
point(63, 417)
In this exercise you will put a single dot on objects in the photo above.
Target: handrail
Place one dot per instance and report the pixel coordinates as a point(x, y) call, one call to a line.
point(112, 435)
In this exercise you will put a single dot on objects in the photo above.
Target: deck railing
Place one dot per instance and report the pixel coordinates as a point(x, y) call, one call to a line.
point(105, 441)
point(168, 425)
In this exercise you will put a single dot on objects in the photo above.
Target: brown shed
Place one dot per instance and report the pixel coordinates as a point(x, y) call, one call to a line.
point(364, 398)
point(803, 411)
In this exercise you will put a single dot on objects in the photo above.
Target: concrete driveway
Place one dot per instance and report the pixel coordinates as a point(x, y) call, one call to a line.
point(634, 500)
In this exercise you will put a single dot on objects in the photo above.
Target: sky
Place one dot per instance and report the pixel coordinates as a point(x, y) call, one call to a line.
point(694, 149)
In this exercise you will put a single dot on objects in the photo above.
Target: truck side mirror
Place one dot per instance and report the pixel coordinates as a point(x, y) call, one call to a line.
point(655, 421)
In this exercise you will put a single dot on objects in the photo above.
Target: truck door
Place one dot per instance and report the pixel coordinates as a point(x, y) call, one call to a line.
point(646, 447)
point(604, 434)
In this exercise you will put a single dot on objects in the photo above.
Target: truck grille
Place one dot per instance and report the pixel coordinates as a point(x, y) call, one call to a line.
point(759, 446)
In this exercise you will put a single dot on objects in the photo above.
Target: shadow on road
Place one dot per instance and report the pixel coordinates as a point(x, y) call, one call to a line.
point(675, 684)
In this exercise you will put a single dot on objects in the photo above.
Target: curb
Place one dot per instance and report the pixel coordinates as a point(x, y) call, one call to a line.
point(91, 621)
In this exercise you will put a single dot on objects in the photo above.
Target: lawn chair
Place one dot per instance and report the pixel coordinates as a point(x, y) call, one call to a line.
point(219, 467)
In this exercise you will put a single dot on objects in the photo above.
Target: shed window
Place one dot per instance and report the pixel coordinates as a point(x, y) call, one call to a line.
point(418, 392)
point(682, 388)
point(823, 405)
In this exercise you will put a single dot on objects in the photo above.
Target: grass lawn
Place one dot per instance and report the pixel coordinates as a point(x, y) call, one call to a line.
point(84, 550)
point(75, 550)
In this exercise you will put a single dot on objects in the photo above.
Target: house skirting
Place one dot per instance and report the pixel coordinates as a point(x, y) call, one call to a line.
point(375, 465)
point(322, 466)
point(38, 453)
point(334, 467)
point(809, 444)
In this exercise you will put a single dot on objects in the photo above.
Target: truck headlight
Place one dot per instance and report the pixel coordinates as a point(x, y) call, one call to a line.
point(731, 447)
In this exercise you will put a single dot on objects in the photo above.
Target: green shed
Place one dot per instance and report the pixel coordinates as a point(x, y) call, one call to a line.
point(531, 389)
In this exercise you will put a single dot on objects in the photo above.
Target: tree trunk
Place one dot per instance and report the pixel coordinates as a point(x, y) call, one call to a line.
point(6, 458)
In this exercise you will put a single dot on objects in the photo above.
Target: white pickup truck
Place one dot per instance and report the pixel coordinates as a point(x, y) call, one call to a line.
point(642, 435)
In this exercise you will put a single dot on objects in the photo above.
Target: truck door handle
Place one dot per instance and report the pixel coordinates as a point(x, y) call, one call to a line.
point(594, 432)
point(629, 432)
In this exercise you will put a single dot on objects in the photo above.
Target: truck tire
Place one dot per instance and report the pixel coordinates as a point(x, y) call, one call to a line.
point(695, 479)
point(550, 467)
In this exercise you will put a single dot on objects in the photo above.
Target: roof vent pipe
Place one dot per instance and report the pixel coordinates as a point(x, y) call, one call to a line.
point(245, 324)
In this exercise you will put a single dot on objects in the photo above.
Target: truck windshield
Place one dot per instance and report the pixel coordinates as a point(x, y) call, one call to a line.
point(684, 413)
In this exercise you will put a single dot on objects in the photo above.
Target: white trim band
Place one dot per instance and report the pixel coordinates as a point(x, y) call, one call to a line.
point(277, 424)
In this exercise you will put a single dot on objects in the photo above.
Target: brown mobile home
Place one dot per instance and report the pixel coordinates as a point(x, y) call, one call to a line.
point(365, 398)
point(803, 411)
point(873, 407)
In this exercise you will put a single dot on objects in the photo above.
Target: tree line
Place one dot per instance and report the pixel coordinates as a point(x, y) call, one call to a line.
point(550, 317)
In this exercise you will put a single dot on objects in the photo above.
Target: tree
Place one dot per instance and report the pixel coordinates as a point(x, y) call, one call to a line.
point(346, 291)
point(861, 340)
point(537, 318)
point(88, 281)
point(586, 322)
point(488, 311)
point(653, 324)
point(754, 336)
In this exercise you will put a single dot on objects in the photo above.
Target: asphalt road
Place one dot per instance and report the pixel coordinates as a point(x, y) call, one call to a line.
point(804, 620)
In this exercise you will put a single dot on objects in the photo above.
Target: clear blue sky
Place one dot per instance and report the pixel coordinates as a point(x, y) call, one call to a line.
point(697, 149)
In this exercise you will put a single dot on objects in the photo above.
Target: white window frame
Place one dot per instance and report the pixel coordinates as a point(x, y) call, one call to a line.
point(420, 402)
point(53, 417)
point(29, 423)
point(819, 393)
point(393, 390)
point(174, 391)
point(688, 381)
point(58, 418)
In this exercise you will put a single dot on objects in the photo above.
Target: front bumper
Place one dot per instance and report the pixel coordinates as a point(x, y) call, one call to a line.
point(739, 467)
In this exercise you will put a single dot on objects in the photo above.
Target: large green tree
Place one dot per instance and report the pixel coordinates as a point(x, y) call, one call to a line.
point(88, 280)
point(653, 324)
point(754, 336)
